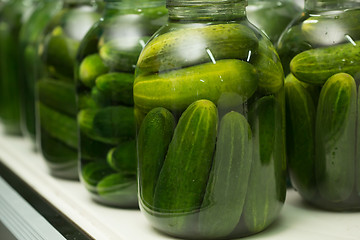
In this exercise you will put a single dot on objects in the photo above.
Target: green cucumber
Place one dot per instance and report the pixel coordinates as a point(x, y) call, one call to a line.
point(109, 125)
point(119, 189)
point(119, 86)
point(268, 65)
point(315, 66)
point(58, 95)
point(196, 45)
point(58, 125)
point(60, 54)
point(331, 28)
point(335, 138)
point(262, 204)
point(154, 137)
point(227, 185)
point(123, 157)
point(300, 136)
point(84, 100)
point(182, 180)
point(90, 68)
point(92, 173)
point(175, 90)
point(122, 54)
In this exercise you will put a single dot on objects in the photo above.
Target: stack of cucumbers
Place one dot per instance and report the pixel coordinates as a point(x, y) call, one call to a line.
point(105, 75)
point(322, 105)
point(209, 105)
point(56, 100)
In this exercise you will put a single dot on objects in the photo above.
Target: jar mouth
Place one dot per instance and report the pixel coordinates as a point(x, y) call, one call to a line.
point(189, 3)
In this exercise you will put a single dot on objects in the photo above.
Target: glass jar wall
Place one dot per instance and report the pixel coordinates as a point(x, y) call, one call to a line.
point(209, 107)
point(30, 62)
point(55, 88)
point(105, 75)
point(13, 14)
point(272, 16)
point(320, 51)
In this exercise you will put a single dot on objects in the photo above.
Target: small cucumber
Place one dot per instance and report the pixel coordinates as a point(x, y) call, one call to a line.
point(119, 86)
point(300, 136)
point(58, 125)
point(84, 100)
point(262, 204)
point(92, 173)
point(315, 66)
point(90, 68)
point(335, 138)
point(154, 137)
point(60, 54)
point(123, 157)
point(121, 56)
point(119, 189)
point(108, 125)
point(196, 45)
point(58, 95)
point(175, 90)
point(227, 185)
point(182, 180)
point(268, 65)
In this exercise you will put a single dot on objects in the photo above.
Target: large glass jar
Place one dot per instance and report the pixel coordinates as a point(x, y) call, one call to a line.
point(272, 16)
point(321, 53)
point(13, 14)
point(55, 88)
point(209, 106)
point(30, 62)
point(105, 73)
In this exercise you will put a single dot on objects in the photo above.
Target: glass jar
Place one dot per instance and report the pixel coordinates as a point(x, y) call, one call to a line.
point(272, 16)
point(320, 51)
point(13, 14)
point(30, 62)
point(105, 75)
point(55, 88)
point(209, 108)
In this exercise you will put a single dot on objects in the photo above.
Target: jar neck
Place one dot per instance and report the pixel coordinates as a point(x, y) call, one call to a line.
point(113, 7)
point(208, 10)
point(328, 5)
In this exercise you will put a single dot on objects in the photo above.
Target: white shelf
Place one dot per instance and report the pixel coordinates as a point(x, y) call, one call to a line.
point(297, 220)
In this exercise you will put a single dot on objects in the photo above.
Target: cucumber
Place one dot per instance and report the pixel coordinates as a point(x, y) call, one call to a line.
point(58, 95)
point(315, 66)
point(154, 137)
point(175, 90)
point(122, 54)
point(123, 157)
point(268, 65)
point(335, 138)
point(226, 190)
point(262, 204)
point(109, 125)
point(90, 68)
point(60, 54)
point(58, 125)
point(119, 86)
point(324, 29)
point(84, 100)
point(191, 46)
point(119, 189)
point(182, 180)
point(300, 136)
point(92, 173)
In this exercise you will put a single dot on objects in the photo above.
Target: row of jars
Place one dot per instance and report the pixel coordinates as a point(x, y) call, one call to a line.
point(183, 107)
